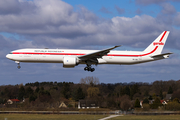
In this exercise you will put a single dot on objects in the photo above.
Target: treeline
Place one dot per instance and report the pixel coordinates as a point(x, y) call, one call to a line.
point(113, 96)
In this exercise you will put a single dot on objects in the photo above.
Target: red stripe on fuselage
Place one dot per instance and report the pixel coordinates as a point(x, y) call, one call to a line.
point(79, 54)
point(135, 55)
point(33, 53)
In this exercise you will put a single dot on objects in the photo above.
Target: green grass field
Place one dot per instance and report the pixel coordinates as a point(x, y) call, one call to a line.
point(49, 117)
point(147, 117)
point(84, 117)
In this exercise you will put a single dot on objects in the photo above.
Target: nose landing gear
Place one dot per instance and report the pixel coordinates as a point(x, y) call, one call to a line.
point(18, 64)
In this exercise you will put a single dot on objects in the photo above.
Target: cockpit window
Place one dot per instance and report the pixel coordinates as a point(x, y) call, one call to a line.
point(10, 53)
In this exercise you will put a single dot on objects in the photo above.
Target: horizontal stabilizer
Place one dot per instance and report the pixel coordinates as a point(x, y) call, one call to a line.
point(161, 55)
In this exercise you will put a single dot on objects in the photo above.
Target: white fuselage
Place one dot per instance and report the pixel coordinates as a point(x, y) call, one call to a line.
point(71, 57)
point(57, 55)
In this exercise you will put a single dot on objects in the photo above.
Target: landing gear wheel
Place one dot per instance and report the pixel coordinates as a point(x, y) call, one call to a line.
point(92, 69)
point(88, 68)
point(18, 63)
point(18, 67)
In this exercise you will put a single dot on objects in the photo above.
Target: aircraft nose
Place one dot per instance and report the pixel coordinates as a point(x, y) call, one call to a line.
point(8, 56)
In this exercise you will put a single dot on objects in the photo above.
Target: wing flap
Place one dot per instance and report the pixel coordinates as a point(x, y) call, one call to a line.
point(97, 54)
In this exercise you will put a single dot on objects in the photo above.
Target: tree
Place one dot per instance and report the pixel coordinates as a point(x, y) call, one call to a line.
point(170, 90)
point(93, 92)
point(134, 89)
point(156, 103)
point(44, 96)
point(90, 81)
point(146, 101)
point(32, 98)
point(176, 100)
point(37, 90)
point(78, 94)
point(146, 107)
point(137, 104)
point(11, 92)
point(161, 94)
point(150, 97)
point(125, 91)
point(176, 94)
point(125, 102)
point(29, 91)
point(1, 101)
point(36, 84)
point(66, 90)
point(42, 88)
point(21, 93)
point(173, 106)
point(146, 94)
point(110, 102)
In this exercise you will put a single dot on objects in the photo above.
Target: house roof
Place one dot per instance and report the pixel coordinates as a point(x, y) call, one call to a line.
point(168, 96)
point(162, 101)
point(62, 105)
point(15, 100)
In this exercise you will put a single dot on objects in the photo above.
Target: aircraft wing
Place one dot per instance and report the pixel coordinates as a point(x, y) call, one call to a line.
point(97, 54)
point(161, 55)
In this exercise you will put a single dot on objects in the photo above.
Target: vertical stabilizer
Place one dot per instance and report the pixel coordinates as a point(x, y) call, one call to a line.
point(157, 45)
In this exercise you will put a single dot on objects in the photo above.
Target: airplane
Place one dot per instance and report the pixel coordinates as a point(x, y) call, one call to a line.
point(73, 57)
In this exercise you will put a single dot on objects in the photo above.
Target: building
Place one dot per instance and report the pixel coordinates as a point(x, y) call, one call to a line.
point(12, 101)
point(168, 97)
point(163, 102)
point(62, 105)
point(86, 104)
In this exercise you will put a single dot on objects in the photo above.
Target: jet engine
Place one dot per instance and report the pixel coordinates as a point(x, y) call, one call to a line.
point(70, 62)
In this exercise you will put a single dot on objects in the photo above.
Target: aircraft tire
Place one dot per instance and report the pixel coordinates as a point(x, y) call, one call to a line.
point(86, 68)
point(89, 69)
point(92, 69)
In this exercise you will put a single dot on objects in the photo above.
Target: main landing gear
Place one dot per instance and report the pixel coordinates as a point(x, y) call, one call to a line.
point(88, 68)
point(18, 64)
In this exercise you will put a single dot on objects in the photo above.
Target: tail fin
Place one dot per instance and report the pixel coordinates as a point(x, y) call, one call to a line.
point(157, 45)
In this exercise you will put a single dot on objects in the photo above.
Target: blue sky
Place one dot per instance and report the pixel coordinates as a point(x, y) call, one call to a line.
point(130, 7)
point(82, 24)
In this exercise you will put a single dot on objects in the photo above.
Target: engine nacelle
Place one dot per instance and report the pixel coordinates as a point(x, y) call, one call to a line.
point(70, 62)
